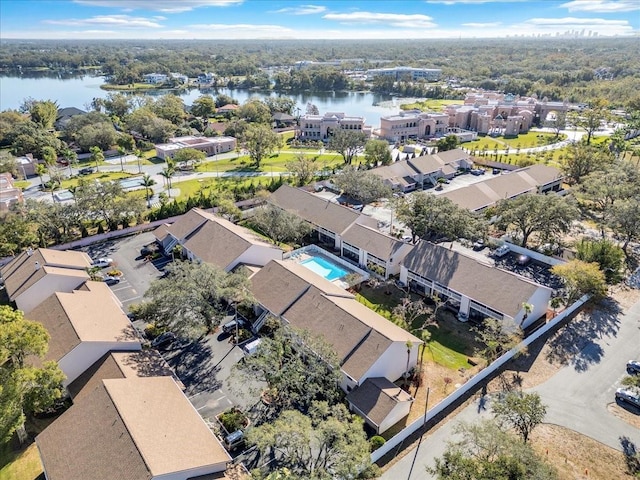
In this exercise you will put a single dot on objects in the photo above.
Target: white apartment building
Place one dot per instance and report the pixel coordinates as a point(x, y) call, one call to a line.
point(321, 127)
point(208, 145)
point(398, 73)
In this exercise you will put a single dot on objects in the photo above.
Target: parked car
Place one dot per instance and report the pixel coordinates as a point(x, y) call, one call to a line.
point(102, 262)
point(478, 245)
point(163, 340)
point(633, 366)
point(234, 440)
point(523, 259)
point(86, 171)
point(477, 171)
point(628, 395)
point(111, 280)
point(501, 251)
point(231, 326)
point(149, 250)
point(496, 171)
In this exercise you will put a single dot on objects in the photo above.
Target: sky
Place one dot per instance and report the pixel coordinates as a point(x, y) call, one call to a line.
point(314, 19)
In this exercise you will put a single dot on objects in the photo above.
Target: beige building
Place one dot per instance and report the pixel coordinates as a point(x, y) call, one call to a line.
point(412, 125)
point(9, 195)
point(81, 333)
point(321, 127)
point(533, 179)
point(34, 275)
point(209, 145)
point(134, 429)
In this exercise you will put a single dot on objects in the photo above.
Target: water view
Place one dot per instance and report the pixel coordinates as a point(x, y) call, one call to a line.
point(79, 91)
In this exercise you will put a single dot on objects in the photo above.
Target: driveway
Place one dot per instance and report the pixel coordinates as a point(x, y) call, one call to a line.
point(205, 368)
point(137, 274)
point(577, 396)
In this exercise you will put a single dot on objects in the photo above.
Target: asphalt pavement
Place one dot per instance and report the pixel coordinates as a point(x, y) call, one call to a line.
point(578, 396)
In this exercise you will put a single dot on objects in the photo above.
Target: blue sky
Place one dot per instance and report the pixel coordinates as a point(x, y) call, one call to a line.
point(311, 19)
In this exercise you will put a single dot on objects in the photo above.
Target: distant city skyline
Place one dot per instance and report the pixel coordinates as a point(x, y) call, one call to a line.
point(329, 19)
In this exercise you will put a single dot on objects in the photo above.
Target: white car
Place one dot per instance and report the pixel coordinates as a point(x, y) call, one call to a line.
point(501, 251)
point(628, 395)
point(102, 262)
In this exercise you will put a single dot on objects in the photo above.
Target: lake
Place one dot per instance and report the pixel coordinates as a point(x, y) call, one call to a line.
point(79, 91)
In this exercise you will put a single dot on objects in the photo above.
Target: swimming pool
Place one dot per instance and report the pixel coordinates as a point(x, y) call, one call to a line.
point(324, 268)
point(131, 182)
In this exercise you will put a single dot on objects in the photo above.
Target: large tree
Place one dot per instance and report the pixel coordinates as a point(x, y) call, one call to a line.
point(548, 216)
point(145, 122)
point(348, 143)
point(16, 234)
point(448, 143)
point(43, 113)
point(28, 137)
point(625, 221)
point(521, 411)
point(254, 111)
point(592, 117)
point(303, 168)
point(23, 387)
point(297, 367)
point(329, 442)
point(581, 278)
point(108, 202)
point(260, 141)
point(361, 185)
point(280, 225)
point(486, 452)
point(376, 152)
point(190, 300)
point(603, 252)
point(582, 159)
point(496, 339)
point(204, 107)
point(188, 157)
point(170, 107)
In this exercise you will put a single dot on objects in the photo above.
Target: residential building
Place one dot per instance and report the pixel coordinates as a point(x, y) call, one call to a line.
point(34, 275)
point(64, 115)
point(371, 249)
point(134, 429)
point(367, 344)
point(380, 402)
point(322, 127)
point(80, 334)
point(533, 179)
point(9, 195)
point(425, 170)
point(206, 78)
point(212, 239)
point(155, 78)
point(27, 165)
point(229, 108)
point(473, 287)
point(120, 364)
point(353, 235)
point(407, 73)
point(283, 120)
point(209, 145)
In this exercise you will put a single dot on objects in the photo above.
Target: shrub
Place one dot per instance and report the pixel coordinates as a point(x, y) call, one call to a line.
point(233, 420)
point(376, 442)
point(152, 330)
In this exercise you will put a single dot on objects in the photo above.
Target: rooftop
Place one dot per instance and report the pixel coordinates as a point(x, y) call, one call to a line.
point(377, 397)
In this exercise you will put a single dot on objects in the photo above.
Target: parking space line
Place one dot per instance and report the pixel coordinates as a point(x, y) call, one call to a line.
point(129, 299)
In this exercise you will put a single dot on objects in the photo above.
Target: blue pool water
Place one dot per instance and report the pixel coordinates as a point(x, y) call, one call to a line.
point(324, 268)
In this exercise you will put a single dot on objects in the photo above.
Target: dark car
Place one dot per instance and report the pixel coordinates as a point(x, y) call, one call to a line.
point(164, 340)
point(231, 326)
point(149, 250)
point(633, 366)
point(523, 259)
point(86, 171)
point(111, 280)
point(478, 245)
point(629, 396)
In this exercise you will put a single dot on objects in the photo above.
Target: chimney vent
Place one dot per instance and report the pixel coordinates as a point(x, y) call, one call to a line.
point(37, 266)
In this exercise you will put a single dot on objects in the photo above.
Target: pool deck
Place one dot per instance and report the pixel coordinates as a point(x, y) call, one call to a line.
point(302, 256)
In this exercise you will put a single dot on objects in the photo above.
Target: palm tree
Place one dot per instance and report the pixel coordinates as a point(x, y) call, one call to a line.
point(97, 156)
point(41, 170)
point(409, 345)
point(147, 183)
point(71, 157)
point(138, 154)
point(121, 152)
point(72, 190)
point(167, 173)
point(528, 308)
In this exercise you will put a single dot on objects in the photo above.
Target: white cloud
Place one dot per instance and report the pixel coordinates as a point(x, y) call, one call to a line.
point(482, 25)
point(120, 21)
point(391, 19)
point(303, 10)
point(576, 21)
point(168, 6)
point(602, 6)
point(453, 2)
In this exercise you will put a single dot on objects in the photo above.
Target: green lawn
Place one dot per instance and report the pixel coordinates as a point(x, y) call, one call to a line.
point(430, 104)
point(101, 176)
point(22, 465)
point(447, 347)
point(132, 87)
point(190, 188)
point(525, 140)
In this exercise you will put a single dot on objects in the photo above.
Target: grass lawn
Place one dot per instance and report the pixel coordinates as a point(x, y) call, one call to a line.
point(274, 163)
point(100, 176)
point(131, 87)
point(430, 104)
point(21, 465)
point(451, 343)
point(191, 188)
point(524, 140)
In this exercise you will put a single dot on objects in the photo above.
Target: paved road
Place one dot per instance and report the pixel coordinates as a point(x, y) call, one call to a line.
point(577, 396)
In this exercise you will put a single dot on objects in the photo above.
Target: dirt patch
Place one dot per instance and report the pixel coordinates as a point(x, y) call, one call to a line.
point(631, 416)
point(577, 457)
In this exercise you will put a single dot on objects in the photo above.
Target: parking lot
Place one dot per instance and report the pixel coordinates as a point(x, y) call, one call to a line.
point(204, 366)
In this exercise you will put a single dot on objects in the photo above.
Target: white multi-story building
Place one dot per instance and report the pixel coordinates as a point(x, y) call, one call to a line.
point(398, 73)
point(321, 127)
